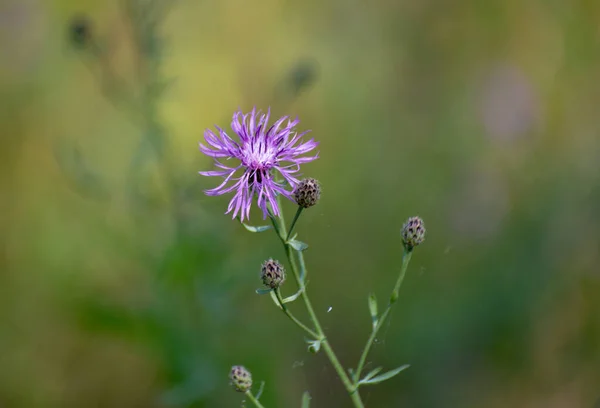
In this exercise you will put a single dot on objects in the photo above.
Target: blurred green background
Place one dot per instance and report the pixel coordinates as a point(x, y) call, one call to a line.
point(122, 285)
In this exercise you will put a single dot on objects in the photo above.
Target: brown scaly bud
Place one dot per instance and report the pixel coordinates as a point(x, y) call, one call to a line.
point(272, 274)
point(413, 232)
point(307, 192)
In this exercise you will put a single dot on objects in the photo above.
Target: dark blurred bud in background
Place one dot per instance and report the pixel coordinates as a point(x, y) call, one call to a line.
point(80, 32)
point(303, 75)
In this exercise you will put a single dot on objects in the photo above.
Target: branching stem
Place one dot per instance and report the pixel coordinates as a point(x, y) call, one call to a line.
point(394, 296)
point(293, 318)
point(300, 276)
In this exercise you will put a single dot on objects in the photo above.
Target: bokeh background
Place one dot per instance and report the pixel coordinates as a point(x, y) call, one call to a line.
point(122, 285)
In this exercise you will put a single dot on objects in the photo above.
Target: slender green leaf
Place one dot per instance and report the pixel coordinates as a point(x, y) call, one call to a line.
point(305, 400)
point(384, 376)
point(264, 291)
point(259, 228)
point(298, 245)
point(293, 297)
point(275, 300)
point(373, 308)
point(260, 390)
point(372, 373)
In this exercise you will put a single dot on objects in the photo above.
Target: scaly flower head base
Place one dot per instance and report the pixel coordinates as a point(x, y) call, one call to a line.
point(263, 152)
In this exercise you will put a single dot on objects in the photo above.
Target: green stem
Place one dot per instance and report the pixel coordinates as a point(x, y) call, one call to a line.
point(299, 276)
point(335, 362)
point(292, 317)
point(394, 296)
point(298, 212)
point(275, 224)
point(254, 400)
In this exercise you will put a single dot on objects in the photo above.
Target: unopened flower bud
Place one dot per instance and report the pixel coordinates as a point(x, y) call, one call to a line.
point(413, 232)
point(272, 274)
point(307, 192)
point(241, 379)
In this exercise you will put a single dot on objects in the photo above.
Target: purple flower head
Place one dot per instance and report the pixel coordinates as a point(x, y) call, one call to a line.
point(263, 151)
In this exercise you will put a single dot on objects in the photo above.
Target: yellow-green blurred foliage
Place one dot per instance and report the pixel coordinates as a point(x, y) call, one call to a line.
point(122, 285)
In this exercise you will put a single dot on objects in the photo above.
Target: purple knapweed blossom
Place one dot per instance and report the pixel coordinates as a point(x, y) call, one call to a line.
point(262, 152)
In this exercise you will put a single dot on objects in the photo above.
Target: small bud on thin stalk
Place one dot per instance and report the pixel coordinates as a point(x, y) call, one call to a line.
point(306, 195)
point(413, 232)
point(241, 379)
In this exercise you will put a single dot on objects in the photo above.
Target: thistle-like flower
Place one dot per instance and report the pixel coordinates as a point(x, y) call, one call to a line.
point(263, 152)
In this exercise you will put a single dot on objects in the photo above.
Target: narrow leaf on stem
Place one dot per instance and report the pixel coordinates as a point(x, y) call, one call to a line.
point(260, 390)
point(275, 300)
point(372, 373)
point(293, 297)
point(264, 291)
point(298, 245)
point(259, 228)
point(384, 376)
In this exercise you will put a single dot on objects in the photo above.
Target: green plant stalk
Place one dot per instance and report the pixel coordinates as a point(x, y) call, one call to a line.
point(298, 212)
point(254, 400)
point(335, 362)
point(394, 296)
point(292, 317)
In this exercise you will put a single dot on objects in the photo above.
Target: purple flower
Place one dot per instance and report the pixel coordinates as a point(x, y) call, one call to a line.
point(262, 152)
